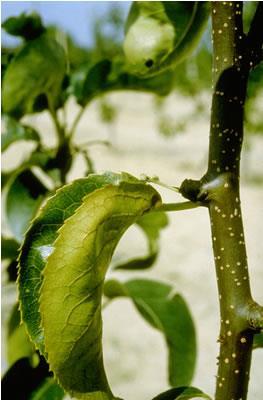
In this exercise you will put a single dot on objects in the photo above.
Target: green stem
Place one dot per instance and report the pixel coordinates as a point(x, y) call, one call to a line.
point(240, 316)
point(76, 121)
point(59, 129)
point(230, 75)
point(63, 158)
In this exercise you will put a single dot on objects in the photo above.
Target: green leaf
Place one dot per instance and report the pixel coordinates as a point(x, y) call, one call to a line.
point(29, 26)
point(43, 158)
point(6, 57)
point(90, 81)
point(38, 244)
point(23, 199)
point(49, 390)
point(173, 29)
point(151, 224)
point(96, 80)
point(168, 313)
point(9, 248)
point(107, 76)
point(15, 131)
point(123, 80)
point(18, 344)
point(37, 70)
point(258, 340)
point(71, 243)
point(182, 393)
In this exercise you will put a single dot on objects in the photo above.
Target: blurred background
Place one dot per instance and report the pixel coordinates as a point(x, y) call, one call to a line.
point(163, 133)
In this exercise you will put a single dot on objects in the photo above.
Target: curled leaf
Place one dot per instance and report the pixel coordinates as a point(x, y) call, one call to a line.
point(39, 243)
point(160, 34)
point(66, 255)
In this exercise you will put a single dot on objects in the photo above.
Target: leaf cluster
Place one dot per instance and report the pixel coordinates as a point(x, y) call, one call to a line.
point(53, 73)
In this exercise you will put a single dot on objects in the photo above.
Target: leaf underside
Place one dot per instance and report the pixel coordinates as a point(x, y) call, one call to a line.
point(39, 243)
point(62, 268)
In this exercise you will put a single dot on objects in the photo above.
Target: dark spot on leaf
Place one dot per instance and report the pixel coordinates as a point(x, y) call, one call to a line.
point(149, 63)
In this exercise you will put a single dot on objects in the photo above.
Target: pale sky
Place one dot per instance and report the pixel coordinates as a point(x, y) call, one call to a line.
point(74, 17)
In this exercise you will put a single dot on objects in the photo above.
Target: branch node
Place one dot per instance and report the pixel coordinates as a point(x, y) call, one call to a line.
point(192, 190)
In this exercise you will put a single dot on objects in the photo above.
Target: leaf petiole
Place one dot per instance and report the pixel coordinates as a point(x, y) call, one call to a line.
point(185, 205)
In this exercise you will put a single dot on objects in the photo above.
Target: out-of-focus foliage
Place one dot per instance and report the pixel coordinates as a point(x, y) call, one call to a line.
point(173, 30)
point(24, 196)
point(182, 393)
point(108, 33)
point(16, 131)
point(253, 118)
point(31, 73)
point(151, 225)
point(167, 312)
point(28, 26)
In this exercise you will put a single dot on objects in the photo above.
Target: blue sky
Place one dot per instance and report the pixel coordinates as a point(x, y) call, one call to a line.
point(74, 17)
